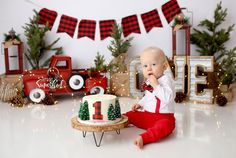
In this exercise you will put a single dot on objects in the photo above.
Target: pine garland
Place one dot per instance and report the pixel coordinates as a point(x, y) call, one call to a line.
point(37, 45)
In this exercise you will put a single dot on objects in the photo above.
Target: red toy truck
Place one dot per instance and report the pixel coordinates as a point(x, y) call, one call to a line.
point(60, 78)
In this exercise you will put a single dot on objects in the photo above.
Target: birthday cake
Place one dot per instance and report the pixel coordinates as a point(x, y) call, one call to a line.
point(99, 110)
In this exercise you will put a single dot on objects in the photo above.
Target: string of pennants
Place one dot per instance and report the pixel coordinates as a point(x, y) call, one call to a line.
point(129, 24)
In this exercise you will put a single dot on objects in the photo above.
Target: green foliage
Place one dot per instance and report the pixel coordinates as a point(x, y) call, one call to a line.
point(119, 48)
point(84, 111)
point(184, 21)
point(37, 45)
point(211, 39)
point(9, 37)
point(117, 109)
point(80, 110)
point(111, 112)
point(100, 65)
point(99, 61)
point(227, 73)
point(118, 44)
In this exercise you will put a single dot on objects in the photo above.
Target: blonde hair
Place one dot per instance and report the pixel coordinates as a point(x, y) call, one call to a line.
point(155, 50)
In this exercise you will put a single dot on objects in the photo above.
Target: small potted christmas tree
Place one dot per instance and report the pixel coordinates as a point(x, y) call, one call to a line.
point(227, 72)
point(100, 66)
point(119, 75)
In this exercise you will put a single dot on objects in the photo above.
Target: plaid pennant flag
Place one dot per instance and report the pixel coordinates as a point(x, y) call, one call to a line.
point(87, 28)
point(130, 25)
point(106, 27)
point(68, 25)
point(47, 16)
point(151, 19)
point(170, 10)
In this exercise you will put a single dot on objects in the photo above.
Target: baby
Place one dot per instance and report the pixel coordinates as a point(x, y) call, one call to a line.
point(155, 111)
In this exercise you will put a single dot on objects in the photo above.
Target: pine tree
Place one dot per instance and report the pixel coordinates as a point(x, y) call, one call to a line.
point(211, 40)
point(227, 73)
point(37, 45)
point(111, 112)
point(117, 109)
point(119, 48)
point(99, 62)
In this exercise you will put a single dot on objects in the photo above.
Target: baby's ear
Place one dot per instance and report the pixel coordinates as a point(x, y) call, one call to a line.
point(165, 65)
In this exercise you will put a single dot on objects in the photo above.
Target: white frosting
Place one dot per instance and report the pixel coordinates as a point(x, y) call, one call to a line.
point(106, 100)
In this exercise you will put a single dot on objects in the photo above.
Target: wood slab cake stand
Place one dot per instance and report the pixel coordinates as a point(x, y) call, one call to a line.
point(102, 128)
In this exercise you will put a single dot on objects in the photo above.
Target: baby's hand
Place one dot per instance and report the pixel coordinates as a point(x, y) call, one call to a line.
point(135, 107)
point(153, 81)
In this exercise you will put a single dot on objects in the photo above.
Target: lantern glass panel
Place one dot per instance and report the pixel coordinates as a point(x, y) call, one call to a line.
point(180, 42)
point(13, 57)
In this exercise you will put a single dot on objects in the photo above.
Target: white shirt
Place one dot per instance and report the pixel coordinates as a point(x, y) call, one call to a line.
point(165, 91)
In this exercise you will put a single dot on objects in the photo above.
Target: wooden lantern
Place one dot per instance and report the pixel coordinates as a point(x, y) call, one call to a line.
point(13, 58)
point(186, 29)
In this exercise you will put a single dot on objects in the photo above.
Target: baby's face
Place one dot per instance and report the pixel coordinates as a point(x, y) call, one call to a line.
point(152, 65)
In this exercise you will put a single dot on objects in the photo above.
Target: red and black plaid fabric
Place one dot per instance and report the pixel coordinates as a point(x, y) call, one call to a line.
point(170, 10)
point(106, 27)
point(68, 25)
point(130, 25)
point(97, 115)
point(87, 28)
point(47, 16)
point(144, 87)
point(151, 19)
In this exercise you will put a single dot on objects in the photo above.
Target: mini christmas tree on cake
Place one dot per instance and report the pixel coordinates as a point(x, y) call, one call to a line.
point(84, 111)
point(111, 113)
point(117, 109)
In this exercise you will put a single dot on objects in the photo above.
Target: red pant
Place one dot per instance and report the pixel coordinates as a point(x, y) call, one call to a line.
point(157, 125)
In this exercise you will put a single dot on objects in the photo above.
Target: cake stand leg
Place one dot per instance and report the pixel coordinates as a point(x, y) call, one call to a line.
point(118, 131)
point(84, 133)
point(95, 140)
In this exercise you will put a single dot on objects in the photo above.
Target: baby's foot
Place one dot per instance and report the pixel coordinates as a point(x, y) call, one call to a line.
point(139, 142)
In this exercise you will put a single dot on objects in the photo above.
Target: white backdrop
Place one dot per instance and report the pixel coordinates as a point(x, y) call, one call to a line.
point(15, 13)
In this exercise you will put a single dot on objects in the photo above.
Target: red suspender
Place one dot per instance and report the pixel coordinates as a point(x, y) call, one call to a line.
point(158, 103)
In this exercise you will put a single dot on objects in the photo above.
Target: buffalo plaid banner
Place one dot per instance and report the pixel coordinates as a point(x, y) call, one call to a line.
point(106, 27)
point(68, 25)
point(47, 16)
point(130, 25)
point(151, 19)
point(87, 28)
point(170, 10)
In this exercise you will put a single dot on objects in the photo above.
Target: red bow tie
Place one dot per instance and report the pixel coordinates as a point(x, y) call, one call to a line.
point(144, 87)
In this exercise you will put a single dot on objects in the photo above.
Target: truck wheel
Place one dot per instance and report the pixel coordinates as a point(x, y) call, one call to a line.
point(37, 95)
point(76, 82)
point(97, 90)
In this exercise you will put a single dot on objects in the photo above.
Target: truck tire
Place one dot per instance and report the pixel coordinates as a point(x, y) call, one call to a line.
point(97, 90)
point(76, 82)
point(36, 95)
